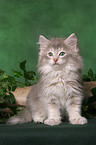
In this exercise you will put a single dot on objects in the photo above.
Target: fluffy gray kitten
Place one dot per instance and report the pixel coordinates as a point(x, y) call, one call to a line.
point(60, 86)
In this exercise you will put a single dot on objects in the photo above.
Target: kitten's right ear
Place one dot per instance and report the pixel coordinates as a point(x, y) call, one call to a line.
point(71, 41)
point(43, 42)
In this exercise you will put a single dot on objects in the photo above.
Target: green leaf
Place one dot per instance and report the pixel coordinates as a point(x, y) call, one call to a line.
point(9, 98)
point(29, 75)
point(91, 74)
point(12, 99)
point(22, 65)
point(85, 78)
point(85, 108)
point(12, 88)
point(19, 109)
point(11, 81)
point(1, 72)
point(4, 80)
point(17, 74)
point(27, 83)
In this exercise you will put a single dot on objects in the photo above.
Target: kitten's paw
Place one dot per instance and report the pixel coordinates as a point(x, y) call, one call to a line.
point(39, 119)
point(52, 122)
point(13, 120)
point(78, 120)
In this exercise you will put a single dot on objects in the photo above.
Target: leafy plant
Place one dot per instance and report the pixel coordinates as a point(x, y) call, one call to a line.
point(90, 76)
point(89, 106)
point(10, 83)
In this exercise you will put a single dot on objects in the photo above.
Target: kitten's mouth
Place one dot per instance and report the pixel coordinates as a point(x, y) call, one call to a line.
point(56, 64)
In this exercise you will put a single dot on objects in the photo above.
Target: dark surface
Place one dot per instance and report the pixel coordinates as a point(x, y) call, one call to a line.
point(40, 134)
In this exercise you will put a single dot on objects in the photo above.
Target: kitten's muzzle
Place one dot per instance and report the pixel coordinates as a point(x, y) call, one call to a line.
point(55, 60)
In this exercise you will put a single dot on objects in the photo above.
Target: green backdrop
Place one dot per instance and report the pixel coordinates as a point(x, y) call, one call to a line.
point(22, 21)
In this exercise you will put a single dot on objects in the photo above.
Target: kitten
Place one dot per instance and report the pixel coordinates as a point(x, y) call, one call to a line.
point(60, 86)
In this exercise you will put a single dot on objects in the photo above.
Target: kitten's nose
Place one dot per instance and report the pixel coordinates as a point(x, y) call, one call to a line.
point(55, 60)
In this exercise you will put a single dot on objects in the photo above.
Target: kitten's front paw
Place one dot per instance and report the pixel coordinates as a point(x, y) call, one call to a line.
point(38, 119)
point(78, 120)
point(52, 122)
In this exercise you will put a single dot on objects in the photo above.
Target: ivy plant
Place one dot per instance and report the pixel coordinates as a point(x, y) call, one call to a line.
point(10, 83)
point(89, 106)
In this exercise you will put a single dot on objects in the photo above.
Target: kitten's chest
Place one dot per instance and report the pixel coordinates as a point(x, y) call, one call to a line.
point(60, 80)
point(58, 86)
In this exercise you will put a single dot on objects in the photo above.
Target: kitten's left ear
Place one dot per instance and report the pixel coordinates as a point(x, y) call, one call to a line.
point(71, 41)
point(43, 42)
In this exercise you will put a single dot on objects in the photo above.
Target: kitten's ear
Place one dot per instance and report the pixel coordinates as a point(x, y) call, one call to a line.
point(43, 42)
point(71, 41)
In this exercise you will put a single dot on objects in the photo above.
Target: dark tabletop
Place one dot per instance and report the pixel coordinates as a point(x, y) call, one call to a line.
point(40, 134)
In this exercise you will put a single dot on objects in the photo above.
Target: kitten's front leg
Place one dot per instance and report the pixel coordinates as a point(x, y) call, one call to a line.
point(53, 115)
point(74, 112)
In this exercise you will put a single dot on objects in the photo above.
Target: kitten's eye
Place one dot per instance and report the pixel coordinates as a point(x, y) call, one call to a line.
point(50, 54)
point(61, 53)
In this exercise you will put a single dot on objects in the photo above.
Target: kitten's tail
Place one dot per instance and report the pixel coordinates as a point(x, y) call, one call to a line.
point(24, 117)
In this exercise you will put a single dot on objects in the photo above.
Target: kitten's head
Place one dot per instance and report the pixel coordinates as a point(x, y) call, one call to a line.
point(58, 53)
